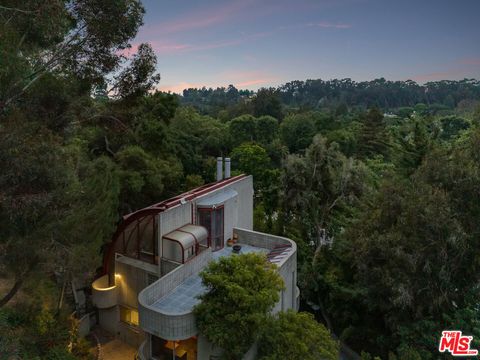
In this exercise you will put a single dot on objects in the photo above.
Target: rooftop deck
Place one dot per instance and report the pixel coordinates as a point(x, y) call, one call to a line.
point(165, 307)
point(185, 296)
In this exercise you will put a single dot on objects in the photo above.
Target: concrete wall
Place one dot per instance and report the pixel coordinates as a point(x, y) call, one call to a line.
point(287, 268)
point(132, 335)
point(238, 210)
point(168, 326)
point(108, 319)
point(244, 188)
point(84, 324)
point(131, 278)
point(230, 217)
point(174, 218)
point(103, 295)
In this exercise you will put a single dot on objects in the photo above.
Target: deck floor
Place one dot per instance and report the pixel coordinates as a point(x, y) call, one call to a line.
point(185, 296)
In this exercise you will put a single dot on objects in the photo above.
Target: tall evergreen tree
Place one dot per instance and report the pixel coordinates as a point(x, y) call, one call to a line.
point(373, 137)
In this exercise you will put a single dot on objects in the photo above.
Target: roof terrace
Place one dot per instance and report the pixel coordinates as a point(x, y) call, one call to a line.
point(166, 306)
point(185, 296)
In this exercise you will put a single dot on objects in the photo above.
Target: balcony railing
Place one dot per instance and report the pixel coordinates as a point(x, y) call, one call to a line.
point(103, 295)
point(157, 318)
point(165, 325)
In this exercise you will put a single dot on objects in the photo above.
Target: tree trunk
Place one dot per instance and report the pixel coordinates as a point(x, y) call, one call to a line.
point(12, 292)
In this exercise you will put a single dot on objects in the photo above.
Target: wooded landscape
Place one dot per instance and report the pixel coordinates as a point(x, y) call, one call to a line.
point(376, 181)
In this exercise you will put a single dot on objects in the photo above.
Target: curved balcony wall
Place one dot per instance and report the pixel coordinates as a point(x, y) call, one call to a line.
point(166, 306)
point(103, 295)
point(166, 324)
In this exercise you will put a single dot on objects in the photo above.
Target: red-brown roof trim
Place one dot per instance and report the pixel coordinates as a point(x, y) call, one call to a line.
point(158, 208)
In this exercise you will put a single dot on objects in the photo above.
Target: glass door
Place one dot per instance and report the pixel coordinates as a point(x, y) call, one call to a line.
point(212, 219)
point(217, 229)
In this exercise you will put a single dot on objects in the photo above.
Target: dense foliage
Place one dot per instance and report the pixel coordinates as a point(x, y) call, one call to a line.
point(291, 335)
point(340, 94)
point(241, 291)
point(376, 181)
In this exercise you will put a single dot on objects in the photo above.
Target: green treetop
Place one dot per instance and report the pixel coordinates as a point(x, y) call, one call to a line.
point(292, 335)
point(242, 290)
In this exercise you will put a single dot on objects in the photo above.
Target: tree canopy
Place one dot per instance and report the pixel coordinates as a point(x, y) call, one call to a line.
point(241, 291)
point(291, 335)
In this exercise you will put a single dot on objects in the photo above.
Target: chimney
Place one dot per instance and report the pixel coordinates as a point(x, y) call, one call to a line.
point(219, 168)
point(227, 168)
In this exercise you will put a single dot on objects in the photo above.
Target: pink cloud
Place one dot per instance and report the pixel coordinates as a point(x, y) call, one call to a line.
point(326, 24)
point(165, 47)
point(440, 75)
point(253, 82)
point(129, 51)
point(321, 24)
point(199, 19)
point(178, 88)
point(159, 47)
point(470, 61)
point(240, 79)
point(430, 77)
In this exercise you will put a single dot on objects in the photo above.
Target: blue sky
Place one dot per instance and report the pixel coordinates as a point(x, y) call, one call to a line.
point(257, 43)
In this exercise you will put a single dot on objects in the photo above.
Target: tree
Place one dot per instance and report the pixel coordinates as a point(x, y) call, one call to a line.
point(395, 267)
point(415, 142)
point(138, 78)
point(196, 141)
point(94, 188)
point(32, 181)
point(242, 129)
point(144, 178)
point(267, 102)
point(84, 38)
point(297, 131)
point(291, 335)
point(476, 116)
point(452, 126)
point(320, 188)
point(241, 291)
point(251, 159)
point(266, 129)
point(373, 138)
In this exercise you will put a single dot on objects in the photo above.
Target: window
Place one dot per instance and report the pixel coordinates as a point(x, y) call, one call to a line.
point(139, 240)
point(217, 231)
point(212, 219)
point(205, 220)
point(128, 315)
point(189, 253)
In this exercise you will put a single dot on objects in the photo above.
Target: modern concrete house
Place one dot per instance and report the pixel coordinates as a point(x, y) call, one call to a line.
point(151, 282)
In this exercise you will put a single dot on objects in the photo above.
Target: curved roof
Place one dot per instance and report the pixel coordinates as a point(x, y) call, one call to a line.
point(154, 209)
point(188, 235)
point(217, 198)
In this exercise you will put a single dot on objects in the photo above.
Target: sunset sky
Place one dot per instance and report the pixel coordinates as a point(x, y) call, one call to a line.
point(257, 43)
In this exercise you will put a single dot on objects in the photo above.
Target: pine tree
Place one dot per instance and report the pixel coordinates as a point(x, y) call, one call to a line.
point(373, 137)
